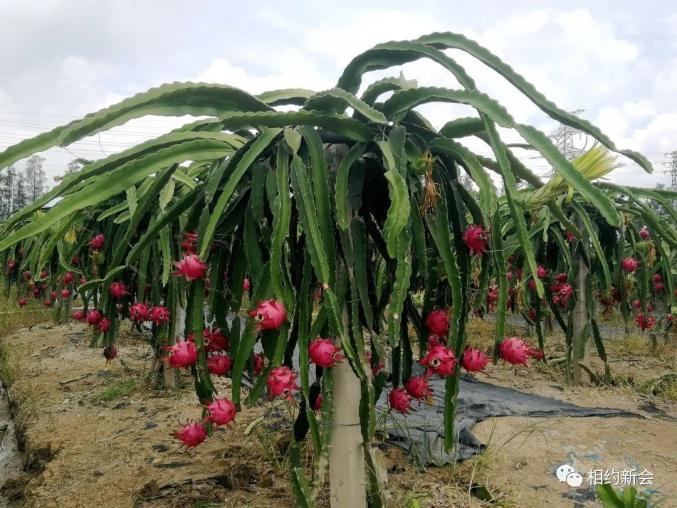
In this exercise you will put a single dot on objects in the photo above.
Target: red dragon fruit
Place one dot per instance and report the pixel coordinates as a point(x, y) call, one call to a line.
point(11, 265)
point(222, 411)
point(104, 325)
point(259, 363)
point(376, 367)
point(645, 321)
point(400, 400)
point(65, 293)
point(93, 317)
point(110, 353)
point(419, 388)
point(83, 280)
point(324, 353)
point(531, 314)
point(22, 302)
point(514, 350)
point(54, 295)
point(219, 365)
point(644, 233)
point(536, 353)
point(438, 323)
point(657, 277)
point(474, 360)
point(44, 274)
point(561, 278)
point(246, 285)
point(282, 383)
point(191, 267)
point(658, 287)
point(48, 302)
point(630, 264)
point(79, 315)
point(139, 312)
point(541, 272)
point(531, 284)
point(67, 278)
point(475, 238)
point(270, 314)
point(75, 260)
point(434, 340)
point(439, 360)
point(191, 434)
point(118, 290)
point(561, 294)
point(159, 315)
point(492, 295)
point(97, 242)
point(215, 340)
point(182, 354)
point(189, 243)
point(26, 275)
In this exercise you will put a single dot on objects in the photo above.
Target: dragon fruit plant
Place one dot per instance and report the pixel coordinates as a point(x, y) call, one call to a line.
point(327, 210)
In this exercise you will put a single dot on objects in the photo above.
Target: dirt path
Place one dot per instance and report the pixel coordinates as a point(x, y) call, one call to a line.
point(96, 436)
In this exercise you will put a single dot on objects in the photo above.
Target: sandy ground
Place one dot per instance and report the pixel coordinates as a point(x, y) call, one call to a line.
point(96, 436)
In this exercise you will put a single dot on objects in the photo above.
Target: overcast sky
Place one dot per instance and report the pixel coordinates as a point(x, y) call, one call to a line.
point(60, 59)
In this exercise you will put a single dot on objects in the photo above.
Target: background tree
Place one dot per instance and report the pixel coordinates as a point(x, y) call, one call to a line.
point(35, 177)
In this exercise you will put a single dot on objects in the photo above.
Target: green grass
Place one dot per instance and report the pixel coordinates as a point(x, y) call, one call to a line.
point(8, 364)
point(13, 317)
point(118, 389)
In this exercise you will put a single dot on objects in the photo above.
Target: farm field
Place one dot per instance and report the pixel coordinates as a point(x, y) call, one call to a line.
point(121, 452)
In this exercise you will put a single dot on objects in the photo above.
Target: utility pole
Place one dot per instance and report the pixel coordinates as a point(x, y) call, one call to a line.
point(564, 139)
point(671, 165)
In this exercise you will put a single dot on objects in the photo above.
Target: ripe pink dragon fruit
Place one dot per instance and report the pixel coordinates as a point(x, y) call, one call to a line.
point(221, 411)
point(67, 278)
point(636, 304)
point(191, 434)
point(159, 315)
point(536, 353)
point(118, 290)
point(324, 353)
point(434, 340)
point(53, 295)
point(79, 315)
point(475, 238)
point(48, 302)
point(97, 242)
point(645, 321)
point(65, 293)
point(104, 325)
point(474, 360)
point(270, 314)
point(189, 243)
point(110, 353)
point(658, 287)
point(83, 280)
point(630, 264)
point(246, 285)
point(438, 323)
point(11, 265)
point(439, 360)
point(419, 388)
point(541, 272)
point(182, 354)
point(492, 295)
point(22, 302)
point(215, 340)
point(644, 233)
point(282, 383)
point(669, 318)
point(400, 400)
point(219, 365)
point(94, 317)
point(44, 274)
point(561, 294)
point(514, 350)
point(561, 278)
point(259, 363)
point(657, 277)
point(571, 238)
point(26, 275)
point(139, 312)
point(191, 267)
point(75, 260)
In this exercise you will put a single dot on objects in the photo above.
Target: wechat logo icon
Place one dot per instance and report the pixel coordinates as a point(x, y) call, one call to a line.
point(566, 473)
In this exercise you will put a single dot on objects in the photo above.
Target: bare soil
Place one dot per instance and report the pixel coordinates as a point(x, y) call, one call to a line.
point(95, 435)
